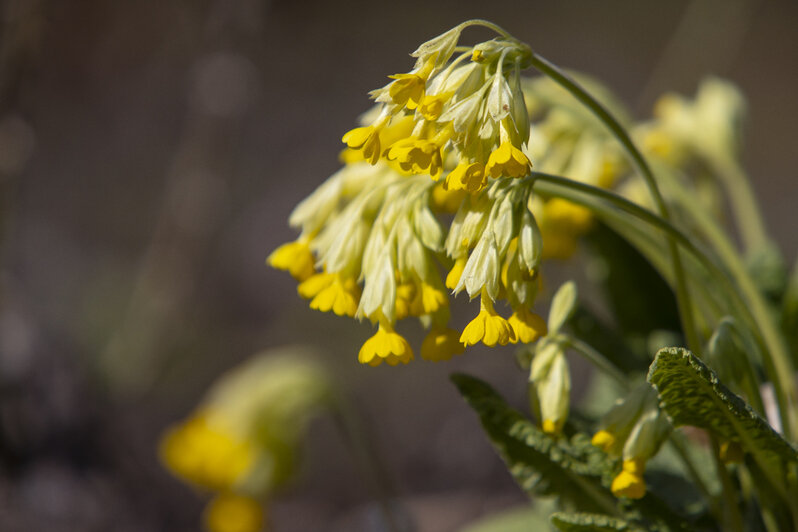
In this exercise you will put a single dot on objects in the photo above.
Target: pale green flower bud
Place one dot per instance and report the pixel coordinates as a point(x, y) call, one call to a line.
point(443, 45)
point(551, 384)
point(482, 269)
point(530, 242)
point(563, 305)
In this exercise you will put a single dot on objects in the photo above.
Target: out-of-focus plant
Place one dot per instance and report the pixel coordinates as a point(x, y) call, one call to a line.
point(466, 166)
point(241, 442)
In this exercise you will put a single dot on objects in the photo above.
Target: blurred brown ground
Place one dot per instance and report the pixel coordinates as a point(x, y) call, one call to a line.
point(150, 153)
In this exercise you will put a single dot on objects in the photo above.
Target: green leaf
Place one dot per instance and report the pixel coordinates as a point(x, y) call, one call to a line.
point(574, 470)
point(583, 522)
point(691, 394)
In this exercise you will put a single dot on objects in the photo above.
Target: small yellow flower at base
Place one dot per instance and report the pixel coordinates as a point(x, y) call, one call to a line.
point(629, 482)
point(470, 177)
point(446, 200)
point(441, 344)
point(508, 161)
point(488, 327)
point(295, 258)
point(603, 439)
point(527, 325)
point(386, 345)
point(731, 452)
point(206, 455)
point(229, 512)
point(453, 277)
point(341, 296)
point(552, 427)
point(366, 139)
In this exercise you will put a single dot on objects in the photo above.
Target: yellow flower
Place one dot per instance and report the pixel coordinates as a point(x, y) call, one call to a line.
point(629, 482)
point(488, 327)
point(604, 440)
point(206, 455)
point(467, 176)
point(441, 344)
point(432, 106)
point(507, 160)
point(417, 156)
point(527, 325)
point(294, 257)
point(230, 512)
point(407, 90)
point(387, 345)
point(405, 294)
point(366, 139)
point(315, 284)
point(550, 426)
point(453, 277)
point(341, 296)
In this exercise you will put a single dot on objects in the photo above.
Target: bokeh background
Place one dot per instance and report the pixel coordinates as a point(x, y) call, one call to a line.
point(150, 153)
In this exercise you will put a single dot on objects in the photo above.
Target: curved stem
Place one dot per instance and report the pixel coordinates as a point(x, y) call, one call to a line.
point(682, 295)
point(775, 356)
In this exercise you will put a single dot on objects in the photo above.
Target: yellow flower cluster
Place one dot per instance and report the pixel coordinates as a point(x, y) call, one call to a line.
point(240, 443)
point(376, 234)
point(467, 108)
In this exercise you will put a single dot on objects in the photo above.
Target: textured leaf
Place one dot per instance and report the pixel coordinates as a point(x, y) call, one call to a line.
point(582, 522)
point(691, 394)
point(574, 469)
point(540, 464)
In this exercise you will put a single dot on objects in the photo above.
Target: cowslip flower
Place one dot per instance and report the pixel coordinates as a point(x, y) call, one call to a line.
point(241, 441)
point(473, 109)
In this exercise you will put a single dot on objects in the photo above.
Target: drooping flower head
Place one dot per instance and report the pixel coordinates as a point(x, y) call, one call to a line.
point(464, 103)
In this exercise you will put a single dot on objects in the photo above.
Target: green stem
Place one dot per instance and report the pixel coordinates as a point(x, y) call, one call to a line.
point(775, 355)
point(719, 274)
point(682, 294)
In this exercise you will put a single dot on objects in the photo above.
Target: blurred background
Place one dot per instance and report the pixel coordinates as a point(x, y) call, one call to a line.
point(150, 153)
